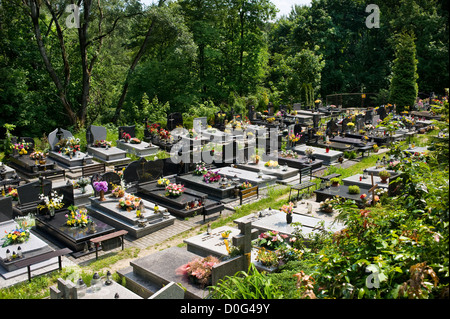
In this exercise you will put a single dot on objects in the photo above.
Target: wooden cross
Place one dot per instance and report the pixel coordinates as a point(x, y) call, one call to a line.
point(372, 189)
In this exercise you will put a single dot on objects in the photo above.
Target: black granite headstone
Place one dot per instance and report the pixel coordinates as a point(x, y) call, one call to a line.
point(112, 178)
point(130, 172)
point(171, 168)
point(6, 210)
point(332, 127)
point(29, 193)
point(150, 171)
point(344, 124)
point(174, 120)
point(127, 129)
point(382, 112)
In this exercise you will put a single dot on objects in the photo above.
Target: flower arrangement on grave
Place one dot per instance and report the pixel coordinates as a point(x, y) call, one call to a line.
point(327, 205)
point(309, 151)
point(353, 189)
point(394, 165)
point(270, 119)
point(18, 235)
point(211, 176)
point(129, 202)
point(73, 144)
point(81, 182)
point(135, 140)
point(118, 191)
point(294, 138)
point(77, 217)
point(335, 181)
point(293, 112)
point(174, 189)
point(375, 148)
point(13, 193)
point(126, 136)
point(101, 187)
point(154, 129)
point(289, 154)
point(255, 158)
point(225, 233)
point(245, 185)
point(350, 126)
point(279, 114)
point(384, 175)
point(102, 143)
point(37, 155)
point(271, 239)
point(267, 257)
point(199, 270)
point(288, 208)
point(192, 133)
point(163, 182)
point(369, 127)
point(200, 169)
point(21, 147)
point(164, 134)
point(51, 202)
point(271, 164)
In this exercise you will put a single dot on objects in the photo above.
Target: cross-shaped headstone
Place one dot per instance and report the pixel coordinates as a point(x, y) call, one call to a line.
point(372, 189)
point(244, 239)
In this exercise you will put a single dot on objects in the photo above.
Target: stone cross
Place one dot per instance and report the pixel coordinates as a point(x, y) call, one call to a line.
point(244, 239)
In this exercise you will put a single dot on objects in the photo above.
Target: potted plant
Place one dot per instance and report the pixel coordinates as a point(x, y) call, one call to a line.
point(163, 182)
point(375, 148)
point(384, 175)
point(82, 182)
point(327, 206)
point(118, 191)
point(255, 158)
point(226, 233)
point(353, 189)
point(199, 270)
point(267, 258)
point(334, 181)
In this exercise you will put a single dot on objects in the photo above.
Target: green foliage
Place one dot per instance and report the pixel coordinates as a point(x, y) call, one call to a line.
point(404, 88)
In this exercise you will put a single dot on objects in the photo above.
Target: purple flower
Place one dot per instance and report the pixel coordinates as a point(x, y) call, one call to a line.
point(101, 186)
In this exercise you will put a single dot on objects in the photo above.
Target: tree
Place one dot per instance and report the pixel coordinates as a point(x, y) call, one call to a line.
point(404, 89)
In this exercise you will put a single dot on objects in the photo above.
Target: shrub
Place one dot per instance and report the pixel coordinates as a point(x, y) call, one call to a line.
point(353, 189)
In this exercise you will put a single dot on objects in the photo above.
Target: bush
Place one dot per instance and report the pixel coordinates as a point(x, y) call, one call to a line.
point(353, 189)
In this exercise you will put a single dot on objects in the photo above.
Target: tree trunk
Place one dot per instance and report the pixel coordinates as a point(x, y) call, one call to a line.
point(132, 67)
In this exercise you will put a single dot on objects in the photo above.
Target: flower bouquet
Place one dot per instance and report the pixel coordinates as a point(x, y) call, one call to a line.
point(118, 191)
point(164, 134)
point(16, 236)
point(21, 147)
point(81, 182)
point(14, 194)
point(102, 143)
point(73, 144)
point(126, 136)
point(163, 182)
point(199, 270)
point(174, 189)
point(271, 164)
point(129, 202)
point(154, 129)
point(77, 217)
point(288, 208)
point(51, 202)
point(271, 239)
point(101, 187)
point(211, 177)
point(245, 185)
point(267, 257)
point(294, 138)
point(255, 158)
point(327, 205)
point(309, 151)
point(200, 169)
point(135, 140)
point(192, 133)
point(37, 155)
point(289, 154)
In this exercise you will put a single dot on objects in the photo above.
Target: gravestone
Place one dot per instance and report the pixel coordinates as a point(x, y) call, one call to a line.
point(112, 178)
point(251, 113)
point(174, 120)
point(382, 112)
point(130, 174)
point(244, 240)
point(150, 171)
point(359, 123)
point(29, 193)
point(6, 210)
point(368, 117)
point(95, 133)
point(297, 129)
point(332, 127)
point(345, 121)
point(375, 119)
point(297, 106)
point(127, 129)
point(171, 168)
point(55, 136)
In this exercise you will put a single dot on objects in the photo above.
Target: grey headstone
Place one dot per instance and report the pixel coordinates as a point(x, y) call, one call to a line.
point(297, 106)
point(52, 139)
point(98, 133)
point(55, 293)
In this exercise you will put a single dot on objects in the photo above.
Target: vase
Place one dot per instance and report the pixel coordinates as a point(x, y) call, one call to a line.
point(102, 196)
point(384, 180)
point(288, 218)
point(51, 212)
point(83, 189)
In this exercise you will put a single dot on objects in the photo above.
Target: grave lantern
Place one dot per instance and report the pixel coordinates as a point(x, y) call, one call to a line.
point(19, 252)
point(365, 173)
point(108, 278)
point(81, 288)
point(96, 283)
point(8, 255)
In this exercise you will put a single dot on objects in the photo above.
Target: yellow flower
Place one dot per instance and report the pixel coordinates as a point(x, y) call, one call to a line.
point(14, 237)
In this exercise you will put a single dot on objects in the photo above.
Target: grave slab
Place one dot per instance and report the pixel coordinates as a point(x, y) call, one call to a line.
point(211, 244)
point(245, 175)
point(358, 180)
point(320, 153)
point(142, 149)
point(281, 172)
